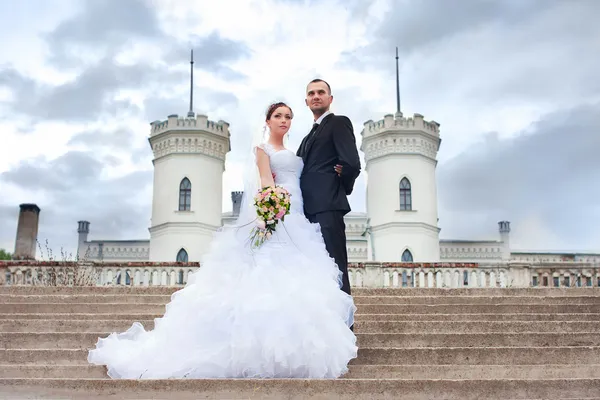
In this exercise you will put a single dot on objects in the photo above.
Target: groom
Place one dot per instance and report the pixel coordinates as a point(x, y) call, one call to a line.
point(331, 165)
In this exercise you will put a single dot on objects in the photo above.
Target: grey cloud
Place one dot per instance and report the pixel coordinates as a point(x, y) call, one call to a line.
point(488, 51)
point(547, 174)
point(88, 96)
point(121, 136)
point(102, 26)
point(71, 188)
point(120, 140)
point(427, 21)
point(212, 53)
point(8, 226)
point(67, 172)
point(420, 23)
point(92, 93)
point(158, 108)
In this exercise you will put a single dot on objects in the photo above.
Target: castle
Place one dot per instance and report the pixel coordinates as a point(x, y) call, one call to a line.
point(400, 223)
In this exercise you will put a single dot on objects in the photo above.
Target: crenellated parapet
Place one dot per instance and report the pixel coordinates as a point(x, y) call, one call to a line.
point(190, 135)
point(399, 122)
point(475, 251)
point(201, 122)
point(397, 134)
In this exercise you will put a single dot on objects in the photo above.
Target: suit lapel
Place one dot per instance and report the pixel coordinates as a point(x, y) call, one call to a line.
point(310, 142)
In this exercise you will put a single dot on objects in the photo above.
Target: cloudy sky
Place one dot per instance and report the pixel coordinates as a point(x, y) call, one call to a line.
point(513, 83)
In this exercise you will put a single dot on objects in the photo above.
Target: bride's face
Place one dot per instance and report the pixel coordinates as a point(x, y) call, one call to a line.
point(280, 121)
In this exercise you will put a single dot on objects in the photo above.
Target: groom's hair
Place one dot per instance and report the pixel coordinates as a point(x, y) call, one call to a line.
point(321, 80)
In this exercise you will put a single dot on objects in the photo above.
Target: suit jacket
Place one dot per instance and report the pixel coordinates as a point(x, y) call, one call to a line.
point(332, 143)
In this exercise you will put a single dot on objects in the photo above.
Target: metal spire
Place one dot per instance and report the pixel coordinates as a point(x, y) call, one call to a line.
point(397, 85)
point(191, 112)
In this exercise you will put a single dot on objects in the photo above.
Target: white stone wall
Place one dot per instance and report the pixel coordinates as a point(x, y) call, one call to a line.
point(357, 241)
point(115, 251)
point(471, 251)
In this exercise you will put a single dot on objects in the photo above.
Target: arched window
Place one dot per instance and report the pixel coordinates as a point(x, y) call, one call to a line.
point(407, 256)
point(185, 194)
point(405, 195)
point(182, 256)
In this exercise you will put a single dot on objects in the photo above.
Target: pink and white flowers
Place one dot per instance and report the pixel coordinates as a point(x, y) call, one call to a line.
point(272, 205)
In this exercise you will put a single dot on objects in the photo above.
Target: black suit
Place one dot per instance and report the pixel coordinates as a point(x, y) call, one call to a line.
point(324, 192)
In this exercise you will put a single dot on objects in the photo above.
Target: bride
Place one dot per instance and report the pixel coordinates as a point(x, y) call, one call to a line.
point(276, 311)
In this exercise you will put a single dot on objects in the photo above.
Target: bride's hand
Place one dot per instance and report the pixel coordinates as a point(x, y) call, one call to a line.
point(338, 169)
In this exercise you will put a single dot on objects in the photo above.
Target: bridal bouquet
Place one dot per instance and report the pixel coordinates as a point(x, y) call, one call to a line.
point(272, 204)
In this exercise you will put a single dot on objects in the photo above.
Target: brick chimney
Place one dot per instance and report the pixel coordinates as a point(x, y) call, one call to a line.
point(27, 231)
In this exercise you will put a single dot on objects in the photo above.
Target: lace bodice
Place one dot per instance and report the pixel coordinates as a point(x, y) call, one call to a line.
point(287, 167)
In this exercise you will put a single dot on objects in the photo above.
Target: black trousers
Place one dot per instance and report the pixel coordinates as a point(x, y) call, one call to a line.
point(333, 229)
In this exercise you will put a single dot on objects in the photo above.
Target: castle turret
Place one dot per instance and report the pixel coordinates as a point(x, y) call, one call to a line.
point(189, 161)
point(401, 159)
point(27, 232)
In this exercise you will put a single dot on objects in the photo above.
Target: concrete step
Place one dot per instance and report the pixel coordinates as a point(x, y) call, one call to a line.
point(580, 355)
point(97, 316)
point(40, 325)
point(87, 298)
point(71, 308)
point(356, 291)
point(477, 308)
point(359, 317)
point(476, 326)
point(108, 308)
point(292, 389)
point(405, 372)
point(97, 298)
point(67, 325)
point(86, 340)
point(478, 356)
point(476, 317)
point(483, 300)
point(550, 371)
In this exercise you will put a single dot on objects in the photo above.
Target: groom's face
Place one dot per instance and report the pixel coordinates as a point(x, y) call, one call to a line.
point(318, 98)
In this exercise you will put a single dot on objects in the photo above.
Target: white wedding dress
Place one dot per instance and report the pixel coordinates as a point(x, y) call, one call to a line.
point(272, 312)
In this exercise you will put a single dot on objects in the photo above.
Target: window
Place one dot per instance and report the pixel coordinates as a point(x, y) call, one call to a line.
point(185, 195)
point(182, 256)
point(407, 256)
point(405, 195)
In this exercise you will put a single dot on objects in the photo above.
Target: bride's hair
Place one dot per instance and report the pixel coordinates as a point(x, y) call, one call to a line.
point(275, 106)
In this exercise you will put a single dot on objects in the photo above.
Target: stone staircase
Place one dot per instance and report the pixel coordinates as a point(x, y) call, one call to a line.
point(413, 344)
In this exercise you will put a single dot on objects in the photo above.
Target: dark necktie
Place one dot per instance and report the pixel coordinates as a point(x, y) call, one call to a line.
point(309, 136)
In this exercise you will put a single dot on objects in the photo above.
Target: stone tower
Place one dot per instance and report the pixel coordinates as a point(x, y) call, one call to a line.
point(27, 232)
point(189, 161)
point(187, 200)
point(401, 159)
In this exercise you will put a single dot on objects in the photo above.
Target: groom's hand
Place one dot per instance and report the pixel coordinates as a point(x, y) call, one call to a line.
point(338, 169)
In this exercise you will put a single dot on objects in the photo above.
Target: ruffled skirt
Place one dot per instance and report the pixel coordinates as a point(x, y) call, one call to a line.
point(275, 312)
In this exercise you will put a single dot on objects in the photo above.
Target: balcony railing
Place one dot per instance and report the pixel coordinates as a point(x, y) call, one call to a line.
point(367, 274)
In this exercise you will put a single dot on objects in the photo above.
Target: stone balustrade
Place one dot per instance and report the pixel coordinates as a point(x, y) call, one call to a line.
point(364, 274)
